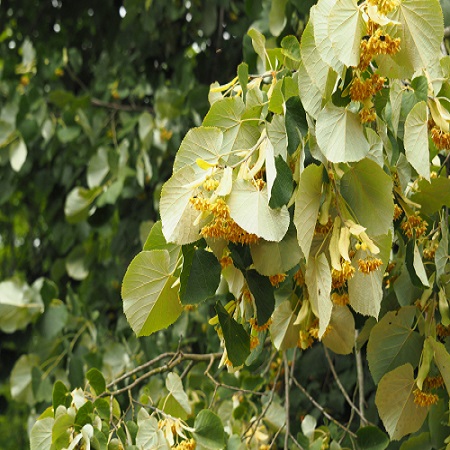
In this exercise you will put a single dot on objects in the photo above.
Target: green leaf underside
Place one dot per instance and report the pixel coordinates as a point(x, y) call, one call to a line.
point(395, 402)
point(262, 290)
point(283, 332)
point(41, 434)
point(150, 302)
point(432, 195)
point(340, 135)
point(442, 360)
point(209, 430)
point(307, 204)
point(318, 281)
point(249, 208)
point(367, 190)
point(204, 278)
point(341, 337)
point(393, 343)
point(416, 139)
point(175, 387)
point(237, 340)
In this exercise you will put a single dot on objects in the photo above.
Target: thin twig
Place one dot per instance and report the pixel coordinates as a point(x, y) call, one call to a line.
point(322, 410)
point(360, 377)
point(341, 387)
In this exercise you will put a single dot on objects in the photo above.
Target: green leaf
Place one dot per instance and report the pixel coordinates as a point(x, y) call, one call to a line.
point(60, 431)
point(175, 387)
point(259, 43)
point(441, 257)
point(307, 204)
point(318, 281)
point(310, 95)
point(150, 301)
point(239, 132)
point(367, 190)
point(340, 135)
point(237, 340)
point(277, 17)
point(346, 28)
point(421, 34)
point(419, 442)
point(395, 402)
point(76, 264)
point(78, 203)
point(271, 258)
point(341, 336)
point(203, 143)
point(365, 290)
point(17, 154)
point(416, 139)
point(372, 438)
point(296, 124)
point(96, 380)
point(68, 134)
point(84, 413)
point(393, 342)
point(98, 168)
point(276, 131)
point(276, 100)
point(209, 431)
point(249, 208)
point(442, 360)
point(432, 195)
point(54, 319)
point(149, 436)
point(41, 434)
point(21, 379)
point(290, 47)
point(60, 395)
point(203, 278)
point(177, 213)
point(243, 77)
point(419, 267)
point(283, 186)
point(283, 332)
point(262, 290)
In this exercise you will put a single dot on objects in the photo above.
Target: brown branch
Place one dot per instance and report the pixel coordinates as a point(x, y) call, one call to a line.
point(360, 377)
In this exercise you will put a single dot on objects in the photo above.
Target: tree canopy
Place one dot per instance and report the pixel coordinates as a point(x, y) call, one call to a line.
point(224, 224)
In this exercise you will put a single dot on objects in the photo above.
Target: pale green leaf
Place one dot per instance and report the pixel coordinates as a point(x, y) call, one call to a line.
point(441, 257)
point(346, 28)
point(393, 342)
point(249, 208)
point(98, 168)
point(290, 47)
point(395, 97)
point(340, 135)
point(258, 42)
point(145, 126)
point(421, 33)
point(376, 147)
point(276, 131)
point(442, 360)
point(76, 264)
point(365, 290)
point(367, 190)
point(271, 258)
point(203, 143)
point(149, 436)
point(238, 134)
point(17, 154)
point(277, 17)
point(175, 387)
point(432, 195)
point(19, 305)
point(41, 434)
point(310, 94)
point(316, 67)
point(78, 203)
point(307, 204)
point(21, 379)
point(283, 332)
point(416, 139)
point(395, 402)
point(341, 336)
point(419, 267)
point(318, 281)
point(150, 301)
point(177, 213)
point(320, 14)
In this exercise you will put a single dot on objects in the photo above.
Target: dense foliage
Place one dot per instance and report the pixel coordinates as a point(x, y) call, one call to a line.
point(304, 218)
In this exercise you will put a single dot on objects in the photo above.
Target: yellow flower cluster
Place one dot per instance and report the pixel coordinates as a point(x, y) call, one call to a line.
point(340, 299)
point(440, 138)
point(299, 278)
point(314, 330)
point(222, 226)
point(186, 445)
point(257, 327)
point(415, 224)
point(367, 115)
point(361, 90)
point(442, 331)
point(424, 398)
point(254, 342)
point(377, 44)
point(323, 229)
point(305, 340)
point(340, 277)
point(210, 184)
point(434, 382)
point(384, 6)
point(397, 212)
point(430, 252)
point(275, 280)
point(226, 261)
point(369, 265)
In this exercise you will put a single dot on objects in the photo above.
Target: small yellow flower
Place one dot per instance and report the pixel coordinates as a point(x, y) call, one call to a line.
point(275, 280)
point(253, 322)
point(340, 299)
point(424, 398)
point(340, 277)
point(369, 265)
